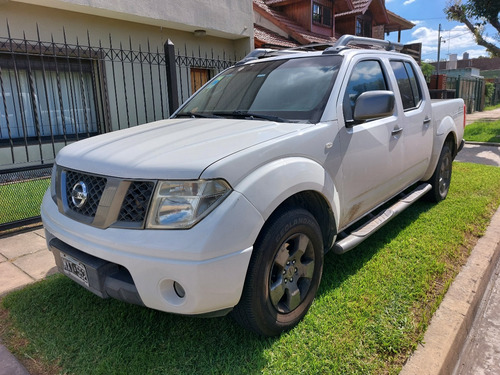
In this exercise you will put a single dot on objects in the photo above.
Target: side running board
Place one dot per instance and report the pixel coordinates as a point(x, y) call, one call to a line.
point(365, 231)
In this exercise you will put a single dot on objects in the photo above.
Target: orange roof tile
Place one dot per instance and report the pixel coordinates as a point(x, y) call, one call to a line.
point(270, 38)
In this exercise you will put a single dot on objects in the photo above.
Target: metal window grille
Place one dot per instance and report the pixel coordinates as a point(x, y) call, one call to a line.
point(54, 93)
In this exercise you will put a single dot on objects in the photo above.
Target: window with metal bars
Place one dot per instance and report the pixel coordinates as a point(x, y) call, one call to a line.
point(42, 98)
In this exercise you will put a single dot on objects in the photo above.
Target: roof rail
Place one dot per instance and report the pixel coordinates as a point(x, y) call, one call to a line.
point(347, 40)
point(257, 53)
point(260, 53)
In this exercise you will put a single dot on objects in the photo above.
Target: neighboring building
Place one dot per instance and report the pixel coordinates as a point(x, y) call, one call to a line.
point(285, 23)
point(480, 69)
point(70, 69)
point(489, 68)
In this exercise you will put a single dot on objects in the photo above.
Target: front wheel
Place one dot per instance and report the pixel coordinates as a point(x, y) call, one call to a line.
point(441, 178)
point(283, 275)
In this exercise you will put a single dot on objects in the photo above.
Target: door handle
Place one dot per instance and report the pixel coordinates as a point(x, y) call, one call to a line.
point(427, 121)
point(397, 130)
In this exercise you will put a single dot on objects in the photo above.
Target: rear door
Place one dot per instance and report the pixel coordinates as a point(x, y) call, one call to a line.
point(415, 119)
point(372, 151)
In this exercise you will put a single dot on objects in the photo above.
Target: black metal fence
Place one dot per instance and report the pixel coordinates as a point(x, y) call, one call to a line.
point(54, 93)
point(470, 89)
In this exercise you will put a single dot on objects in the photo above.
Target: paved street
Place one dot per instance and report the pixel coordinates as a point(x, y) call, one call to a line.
point(475, 153)
point(481, 353)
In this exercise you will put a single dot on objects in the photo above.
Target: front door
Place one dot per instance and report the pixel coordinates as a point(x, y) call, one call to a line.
point(372, 150)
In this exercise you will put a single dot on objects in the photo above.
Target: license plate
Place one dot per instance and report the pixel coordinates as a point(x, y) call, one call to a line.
point(75, 269)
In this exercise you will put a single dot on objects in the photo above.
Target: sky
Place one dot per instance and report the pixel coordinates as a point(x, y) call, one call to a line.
point(427, 15)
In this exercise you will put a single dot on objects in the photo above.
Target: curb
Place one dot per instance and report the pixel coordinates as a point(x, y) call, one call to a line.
point(445, 337)
point(482, 143)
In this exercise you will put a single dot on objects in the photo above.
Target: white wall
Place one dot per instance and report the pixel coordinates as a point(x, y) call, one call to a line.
point(231, 19)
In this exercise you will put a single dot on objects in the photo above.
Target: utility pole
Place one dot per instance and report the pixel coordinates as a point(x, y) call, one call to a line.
point(439, 56)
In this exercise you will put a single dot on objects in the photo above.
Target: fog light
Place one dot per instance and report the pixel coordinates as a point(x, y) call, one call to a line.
point(179, 290)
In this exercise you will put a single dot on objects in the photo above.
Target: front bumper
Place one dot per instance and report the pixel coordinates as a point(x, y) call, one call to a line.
point(209, 261)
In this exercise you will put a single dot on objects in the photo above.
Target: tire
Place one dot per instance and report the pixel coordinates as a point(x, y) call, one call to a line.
point(441, 178)
point(284, 274)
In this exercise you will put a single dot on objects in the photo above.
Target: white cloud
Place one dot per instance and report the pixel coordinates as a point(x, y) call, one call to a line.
point(417, 22)
point(408, 2)
point(455, 41)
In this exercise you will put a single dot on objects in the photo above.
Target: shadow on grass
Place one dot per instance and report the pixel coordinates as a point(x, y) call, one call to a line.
point(338, 268)
point(88, 335)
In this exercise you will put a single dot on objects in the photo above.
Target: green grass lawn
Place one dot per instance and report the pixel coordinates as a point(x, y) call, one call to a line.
point(21, 200)
point(491, 107)
point(372, 308)
point(483, 131)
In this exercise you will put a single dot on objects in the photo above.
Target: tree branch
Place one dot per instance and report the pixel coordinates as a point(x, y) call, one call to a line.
point(458, 12)
point(493, 49)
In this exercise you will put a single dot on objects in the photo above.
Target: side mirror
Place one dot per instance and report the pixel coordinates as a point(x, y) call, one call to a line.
point(374, 104)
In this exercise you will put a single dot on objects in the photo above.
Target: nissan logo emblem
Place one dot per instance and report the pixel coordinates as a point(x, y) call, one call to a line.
point(79, 194)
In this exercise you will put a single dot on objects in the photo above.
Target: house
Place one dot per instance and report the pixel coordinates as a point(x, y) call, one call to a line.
point(289, 23)
point(472, 72)
point(489, 68)
point(70, 69)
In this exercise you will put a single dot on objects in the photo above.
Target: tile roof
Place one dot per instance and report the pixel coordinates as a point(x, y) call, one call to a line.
point(281, 2)
point(296, 31)
point(270, 38)
point(361, 6)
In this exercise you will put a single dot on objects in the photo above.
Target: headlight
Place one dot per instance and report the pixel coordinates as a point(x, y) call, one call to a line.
point(181, 204)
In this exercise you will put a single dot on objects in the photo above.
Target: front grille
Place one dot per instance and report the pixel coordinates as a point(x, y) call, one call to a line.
point(136, 202)
point(95, 187)
point(105, 202)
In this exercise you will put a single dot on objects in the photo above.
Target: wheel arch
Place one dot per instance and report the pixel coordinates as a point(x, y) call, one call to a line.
point(451, 139)
point(294, 182)
point(316, 204)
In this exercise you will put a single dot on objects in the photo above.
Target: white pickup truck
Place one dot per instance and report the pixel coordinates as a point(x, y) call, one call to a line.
point(231, 204)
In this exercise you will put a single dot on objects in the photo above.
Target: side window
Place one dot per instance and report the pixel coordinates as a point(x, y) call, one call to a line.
point(408, 85)
point(366, 76)
point(415, 86)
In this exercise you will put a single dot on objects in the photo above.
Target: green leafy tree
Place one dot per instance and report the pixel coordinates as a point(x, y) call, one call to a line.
point(489, 92)
point(427, 70)
point(476, 14)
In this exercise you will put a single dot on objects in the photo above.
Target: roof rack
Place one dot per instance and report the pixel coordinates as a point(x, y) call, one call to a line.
point(347, 40)
point(328, 48)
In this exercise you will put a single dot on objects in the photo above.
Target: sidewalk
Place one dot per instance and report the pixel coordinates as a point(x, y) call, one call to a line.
point(492, 115)
point(24, 258)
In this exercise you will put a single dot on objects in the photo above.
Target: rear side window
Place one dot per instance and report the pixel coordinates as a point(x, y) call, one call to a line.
point(409, 88)
point(366, 76)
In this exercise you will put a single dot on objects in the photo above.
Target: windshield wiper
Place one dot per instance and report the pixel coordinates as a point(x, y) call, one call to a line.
point(251, 115)
point(197, 114)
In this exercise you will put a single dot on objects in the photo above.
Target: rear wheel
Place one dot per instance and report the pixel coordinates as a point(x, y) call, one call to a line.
point(441, 178)
point(283, 275)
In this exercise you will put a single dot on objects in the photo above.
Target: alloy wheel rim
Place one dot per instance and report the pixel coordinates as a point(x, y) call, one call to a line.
point(291, 273)
point(445, 175)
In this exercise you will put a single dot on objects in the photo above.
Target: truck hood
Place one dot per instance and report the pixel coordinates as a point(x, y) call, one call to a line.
point(169, 149)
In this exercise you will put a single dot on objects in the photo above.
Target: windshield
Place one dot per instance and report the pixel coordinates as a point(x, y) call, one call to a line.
point(287, 90)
